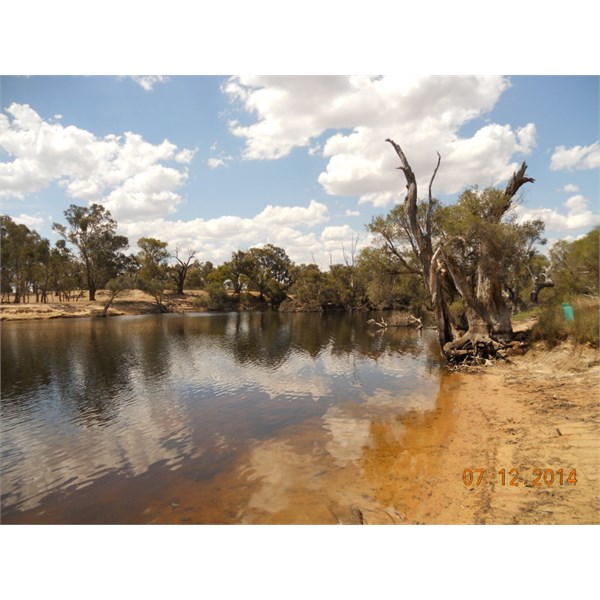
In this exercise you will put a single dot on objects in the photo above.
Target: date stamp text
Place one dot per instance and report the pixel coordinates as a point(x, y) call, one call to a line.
point(516, 477)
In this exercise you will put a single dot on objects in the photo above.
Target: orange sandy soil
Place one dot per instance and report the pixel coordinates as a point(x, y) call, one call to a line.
point(357, 465)
point(134, 302)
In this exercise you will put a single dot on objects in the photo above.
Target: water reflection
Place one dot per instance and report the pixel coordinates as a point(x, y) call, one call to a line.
point(143, 404)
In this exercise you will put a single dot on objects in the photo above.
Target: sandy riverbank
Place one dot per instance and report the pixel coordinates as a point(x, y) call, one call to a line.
point(543, 412)
point(134, 302)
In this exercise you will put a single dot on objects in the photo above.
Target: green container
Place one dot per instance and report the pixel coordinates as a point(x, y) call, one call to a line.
point(568, 312)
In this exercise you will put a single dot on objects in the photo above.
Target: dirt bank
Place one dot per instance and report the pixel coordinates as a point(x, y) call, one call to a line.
point(540, 413)
point(134, 302)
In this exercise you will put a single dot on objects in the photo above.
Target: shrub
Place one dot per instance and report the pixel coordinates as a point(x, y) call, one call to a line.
point(584, 329)
point(218, 298)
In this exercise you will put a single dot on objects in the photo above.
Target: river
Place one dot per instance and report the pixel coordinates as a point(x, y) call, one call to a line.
point(205, 418)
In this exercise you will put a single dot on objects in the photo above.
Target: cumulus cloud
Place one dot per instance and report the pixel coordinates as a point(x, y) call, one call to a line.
point(570, 188)
point(340, 241)
point(350, 117)
point(351, 213)
point(124, 172)
point(285, 226)
point(29, 221)
point(577, 158)
point(149, 81)
point(578, 215)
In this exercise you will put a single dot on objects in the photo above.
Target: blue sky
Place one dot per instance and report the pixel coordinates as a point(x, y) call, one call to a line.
point(226, 163)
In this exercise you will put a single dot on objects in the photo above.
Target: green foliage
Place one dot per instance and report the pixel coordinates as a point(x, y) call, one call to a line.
point(116, 286)
point(219, 299)
point(269, 272)
point(198, 274)
point(388, 285)
point(311, 289)
point(119, 284)
point(152, 276)
point(575, 267)
point(92, 230)
point(502, 249)
point(20, 254)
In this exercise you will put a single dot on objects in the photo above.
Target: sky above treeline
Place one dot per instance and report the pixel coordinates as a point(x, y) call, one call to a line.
point(227, 163)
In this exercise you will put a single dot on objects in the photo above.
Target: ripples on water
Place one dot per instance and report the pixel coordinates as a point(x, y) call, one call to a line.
point(100, 417)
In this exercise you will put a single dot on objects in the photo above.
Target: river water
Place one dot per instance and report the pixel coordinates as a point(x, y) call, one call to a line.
point(205, 418)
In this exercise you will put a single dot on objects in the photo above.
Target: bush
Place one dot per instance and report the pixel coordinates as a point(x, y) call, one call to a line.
point(552, 327)
point(585, 329)
point(219, 298)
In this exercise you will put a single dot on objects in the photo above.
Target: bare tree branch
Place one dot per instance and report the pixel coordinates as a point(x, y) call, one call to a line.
point(430, 205)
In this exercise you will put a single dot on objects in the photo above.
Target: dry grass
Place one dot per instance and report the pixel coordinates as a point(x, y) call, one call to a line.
point(552, 327)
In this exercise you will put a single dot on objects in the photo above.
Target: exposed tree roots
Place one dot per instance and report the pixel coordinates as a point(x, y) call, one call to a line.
point(480, 350)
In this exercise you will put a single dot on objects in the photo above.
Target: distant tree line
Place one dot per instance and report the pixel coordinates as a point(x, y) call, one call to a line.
point(91, 256)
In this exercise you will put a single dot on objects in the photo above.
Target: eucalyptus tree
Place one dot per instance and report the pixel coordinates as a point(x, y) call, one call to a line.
point(93, 231)
point(575, 265)
point(22, 251)
point(153, 273)
point(469, 247)
point(270, 272)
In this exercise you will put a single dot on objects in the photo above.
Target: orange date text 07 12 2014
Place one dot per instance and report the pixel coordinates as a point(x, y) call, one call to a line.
point(514, 477)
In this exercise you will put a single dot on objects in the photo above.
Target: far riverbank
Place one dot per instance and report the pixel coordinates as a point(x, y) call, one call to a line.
point(134, 302)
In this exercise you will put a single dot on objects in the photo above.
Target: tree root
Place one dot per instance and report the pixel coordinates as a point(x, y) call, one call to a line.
point(475, 350)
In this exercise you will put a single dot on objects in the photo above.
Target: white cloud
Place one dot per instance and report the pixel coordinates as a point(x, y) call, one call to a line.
point(124, 172)
point(284, 226)
point(338, 233)
point(314, 214)
point(30, 221)
point(526, 136)
point(578, 215)
point(577, 158)
point(351, 213)
point(186, 156)
point(570, 188)
point(215, 163)
point(149, 81)
point(339, 241)
point(423, 114)
point(576, 204)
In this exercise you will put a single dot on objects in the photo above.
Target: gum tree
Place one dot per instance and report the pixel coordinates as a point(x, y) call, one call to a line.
point(92, 230)
point(468, 248)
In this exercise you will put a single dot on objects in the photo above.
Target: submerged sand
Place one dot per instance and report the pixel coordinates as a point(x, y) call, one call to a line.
point(542, 412)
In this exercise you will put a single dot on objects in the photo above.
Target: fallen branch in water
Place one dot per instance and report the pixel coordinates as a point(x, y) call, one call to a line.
point(402, 320)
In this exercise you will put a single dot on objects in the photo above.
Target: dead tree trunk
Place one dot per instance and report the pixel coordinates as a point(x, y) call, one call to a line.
point(541, 281)
point(423, 247)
